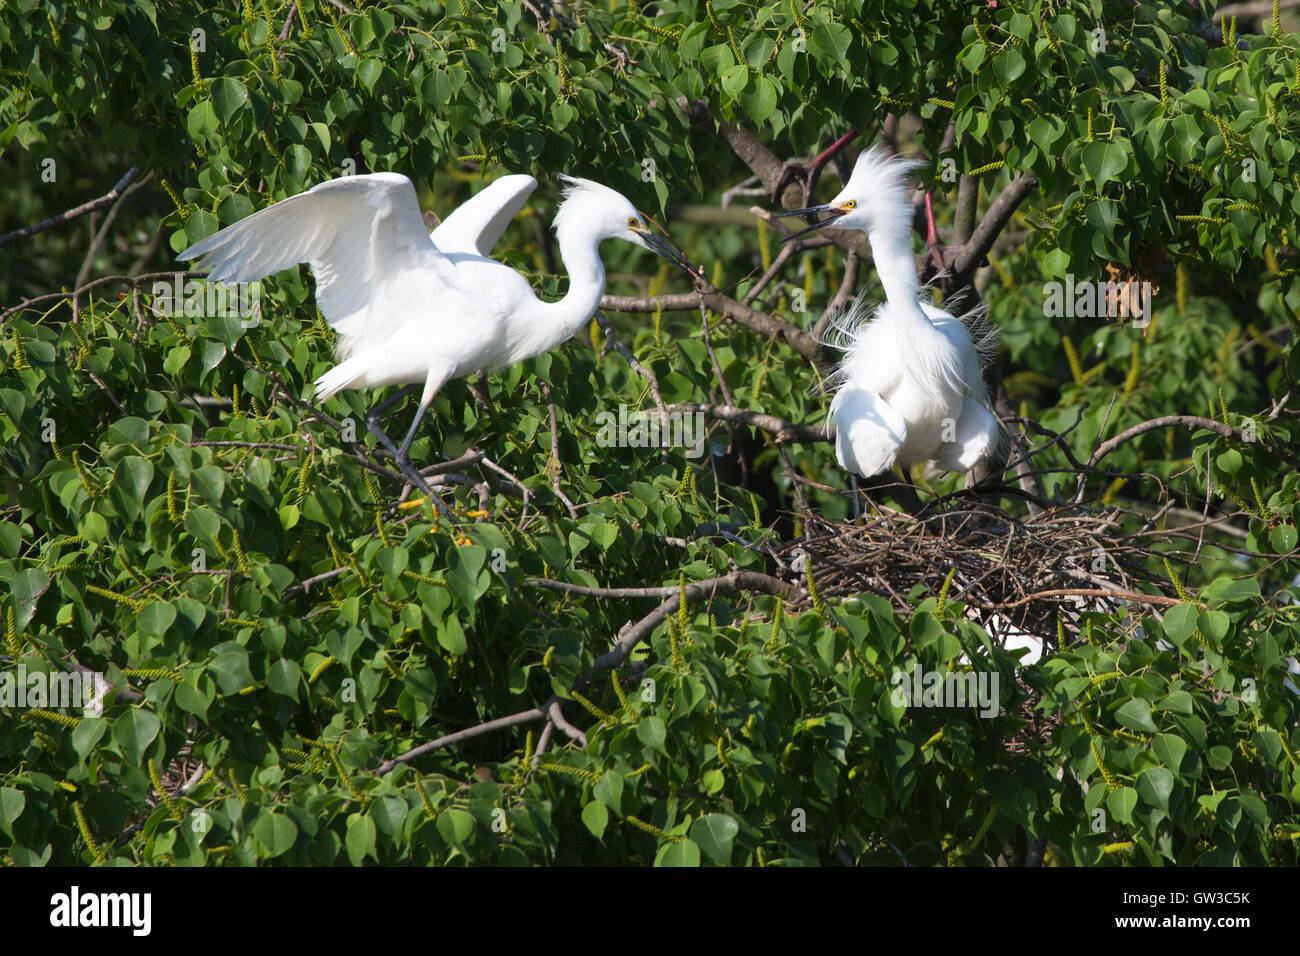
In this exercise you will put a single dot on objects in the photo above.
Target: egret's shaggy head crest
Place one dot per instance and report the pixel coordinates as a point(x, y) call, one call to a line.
point(878, 193)
point(594, 206)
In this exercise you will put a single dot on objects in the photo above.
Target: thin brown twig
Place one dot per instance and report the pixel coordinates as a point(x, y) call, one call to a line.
point(75, 212)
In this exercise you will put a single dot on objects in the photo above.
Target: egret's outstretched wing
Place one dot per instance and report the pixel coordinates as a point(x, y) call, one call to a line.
point(869, 432)
point(358, 234)
point(479, 222)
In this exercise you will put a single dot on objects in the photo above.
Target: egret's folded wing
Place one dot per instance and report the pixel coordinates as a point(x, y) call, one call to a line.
point(479, 222)
point(869, 432)
point(358, 233)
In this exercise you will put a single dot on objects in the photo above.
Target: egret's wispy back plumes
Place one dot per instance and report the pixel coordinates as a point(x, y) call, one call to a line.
point(414, 308)
point(909, 388)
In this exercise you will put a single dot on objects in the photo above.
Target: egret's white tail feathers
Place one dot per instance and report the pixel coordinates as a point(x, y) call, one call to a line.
point(338, 378)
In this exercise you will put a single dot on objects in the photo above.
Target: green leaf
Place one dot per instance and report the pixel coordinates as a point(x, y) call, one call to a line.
point(1136, 715)
point(652, 732)
point(1154, 785)
point(88, 733)
point(455, 826)
point(283, 678)
point(714, 833)
point(759, 99)
point(229, 96)
point(1229, 462)
point(12, 803)
point(368, 72)
point(735, 80)
point(26, 588)
point(1104, 161)
point(155, 618)
point(452, 636)
point(609, 790)
point(1009, 65)
point(134, 731)
point(595, 817)
point(830, 42)
point(360, 839)
point(277, 833)
point(680, 853)
point(1282, 539)
point(1121, 803)
point(1169, 750)
point(1180, 622)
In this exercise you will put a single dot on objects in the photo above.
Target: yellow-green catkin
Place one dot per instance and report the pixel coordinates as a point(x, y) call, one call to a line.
point(943, 592)
point(591, 707)
point(653, 830)
point(982, 832)
point(82, 825)
point(1072, 357)
point(20, 361)
point(161, 790)
point(11, 634)
point(618, 690)
point(424, 799)
point(172, 511)
point(773, 641)
point(304, 474)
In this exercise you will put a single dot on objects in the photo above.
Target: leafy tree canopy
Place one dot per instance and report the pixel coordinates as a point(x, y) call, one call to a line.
point(628, 653)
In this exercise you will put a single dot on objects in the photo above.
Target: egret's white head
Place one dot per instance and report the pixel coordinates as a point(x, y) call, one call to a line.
point(874, 199)
point(604, 213)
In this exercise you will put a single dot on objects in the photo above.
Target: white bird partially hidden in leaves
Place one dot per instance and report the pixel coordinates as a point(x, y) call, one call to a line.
point(909, 386)
point(419, 309)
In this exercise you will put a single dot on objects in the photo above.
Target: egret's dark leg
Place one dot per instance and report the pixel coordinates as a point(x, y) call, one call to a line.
point(410, 433)
point(373, 416)
point(400, 458)
point(857, 506)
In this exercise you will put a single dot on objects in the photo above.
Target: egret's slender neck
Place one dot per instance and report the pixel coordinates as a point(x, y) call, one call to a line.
point(580, 251)
point(891, 248)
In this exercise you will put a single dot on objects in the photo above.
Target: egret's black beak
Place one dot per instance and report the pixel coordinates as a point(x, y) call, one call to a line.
point(666, 250)
point(832, 213)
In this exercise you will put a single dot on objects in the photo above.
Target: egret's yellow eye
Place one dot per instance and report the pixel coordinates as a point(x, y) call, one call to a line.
point(850, 203)
point(632, 222)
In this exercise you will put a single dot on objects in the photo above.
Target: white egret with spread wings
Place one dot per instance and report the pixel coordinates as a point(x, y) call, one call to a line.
point(418, 309)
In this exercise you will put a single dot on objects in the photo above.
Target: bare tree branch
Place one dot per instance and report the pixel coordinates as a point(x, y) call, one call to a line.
point(783, 432)
point(75, 212)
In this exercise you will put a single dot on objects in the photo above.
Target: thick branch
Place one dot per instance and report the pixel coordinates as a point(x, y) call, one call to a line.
point(783, 432)
point(994, 221)
point(759, 322)
point(469, 733)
